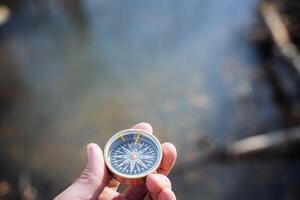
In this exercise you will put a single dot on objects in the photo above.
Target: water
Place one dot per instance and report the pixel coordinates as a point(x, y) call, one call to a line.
point(80, 73)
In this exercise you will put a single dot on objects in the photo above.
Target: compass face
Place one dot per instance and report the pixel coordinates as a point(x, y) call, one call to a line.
point(133, 153)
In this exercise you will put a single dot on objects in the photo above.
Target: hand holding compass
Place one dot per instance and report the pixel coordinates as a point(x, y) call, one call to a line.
point(95, 183)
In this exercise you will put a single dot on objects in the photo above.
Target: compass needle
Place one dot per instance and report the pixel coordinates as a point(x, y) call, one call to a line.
point(137, 137)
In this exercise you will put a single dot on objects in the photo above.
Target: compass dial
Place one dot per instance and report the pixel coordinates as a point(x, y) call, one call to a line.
point(132, 154)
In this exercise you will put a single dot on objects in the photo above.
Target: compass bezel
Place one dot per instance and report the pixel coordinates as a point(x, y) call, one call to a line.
point(128, 178)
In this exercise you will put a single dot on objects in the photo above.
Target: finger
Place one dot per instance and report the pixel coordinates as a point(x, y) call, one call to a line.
point(135, 192)
point(148, 197)
point(109, 193)
point(113, 184)
point(156, 183)
point(93, 178)
point(169, 158)
point(166, 194)
point(144, 126)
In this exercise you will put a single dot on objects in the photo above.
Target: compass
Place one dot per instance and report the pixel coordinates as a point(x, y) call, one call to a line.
point(132, 154)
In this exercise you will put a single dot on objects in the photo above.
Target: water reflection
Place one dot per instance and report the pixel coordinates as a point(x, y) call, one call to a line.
point(84, 70)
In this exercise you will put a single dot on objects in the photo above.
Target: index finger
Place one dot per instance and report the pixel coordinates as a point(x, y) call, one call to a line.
point(169, 158)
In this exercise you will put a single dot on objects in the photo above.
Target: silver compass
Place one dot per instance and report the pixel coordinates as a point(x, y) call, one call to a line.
point(132, 154)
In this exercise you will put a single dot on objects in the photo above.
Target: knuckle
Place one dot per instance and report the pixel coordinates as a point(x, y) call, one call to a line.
point(88, 176)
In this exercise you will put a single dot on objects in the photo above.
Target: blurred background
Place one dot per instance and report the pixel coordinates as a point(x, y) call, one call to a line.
point(219, 79)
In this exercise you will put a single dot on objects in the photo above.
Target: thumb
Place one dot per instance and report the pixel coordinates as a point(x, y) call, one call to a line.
point(92, 180)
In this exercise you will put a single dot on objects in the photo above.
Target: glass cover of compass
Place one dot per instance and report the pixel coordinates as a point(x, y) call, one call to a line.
point(132, 154)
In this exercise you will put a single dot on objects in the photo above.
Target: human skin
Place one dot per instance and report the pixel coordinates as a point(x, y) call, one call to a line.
point(95, 182)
